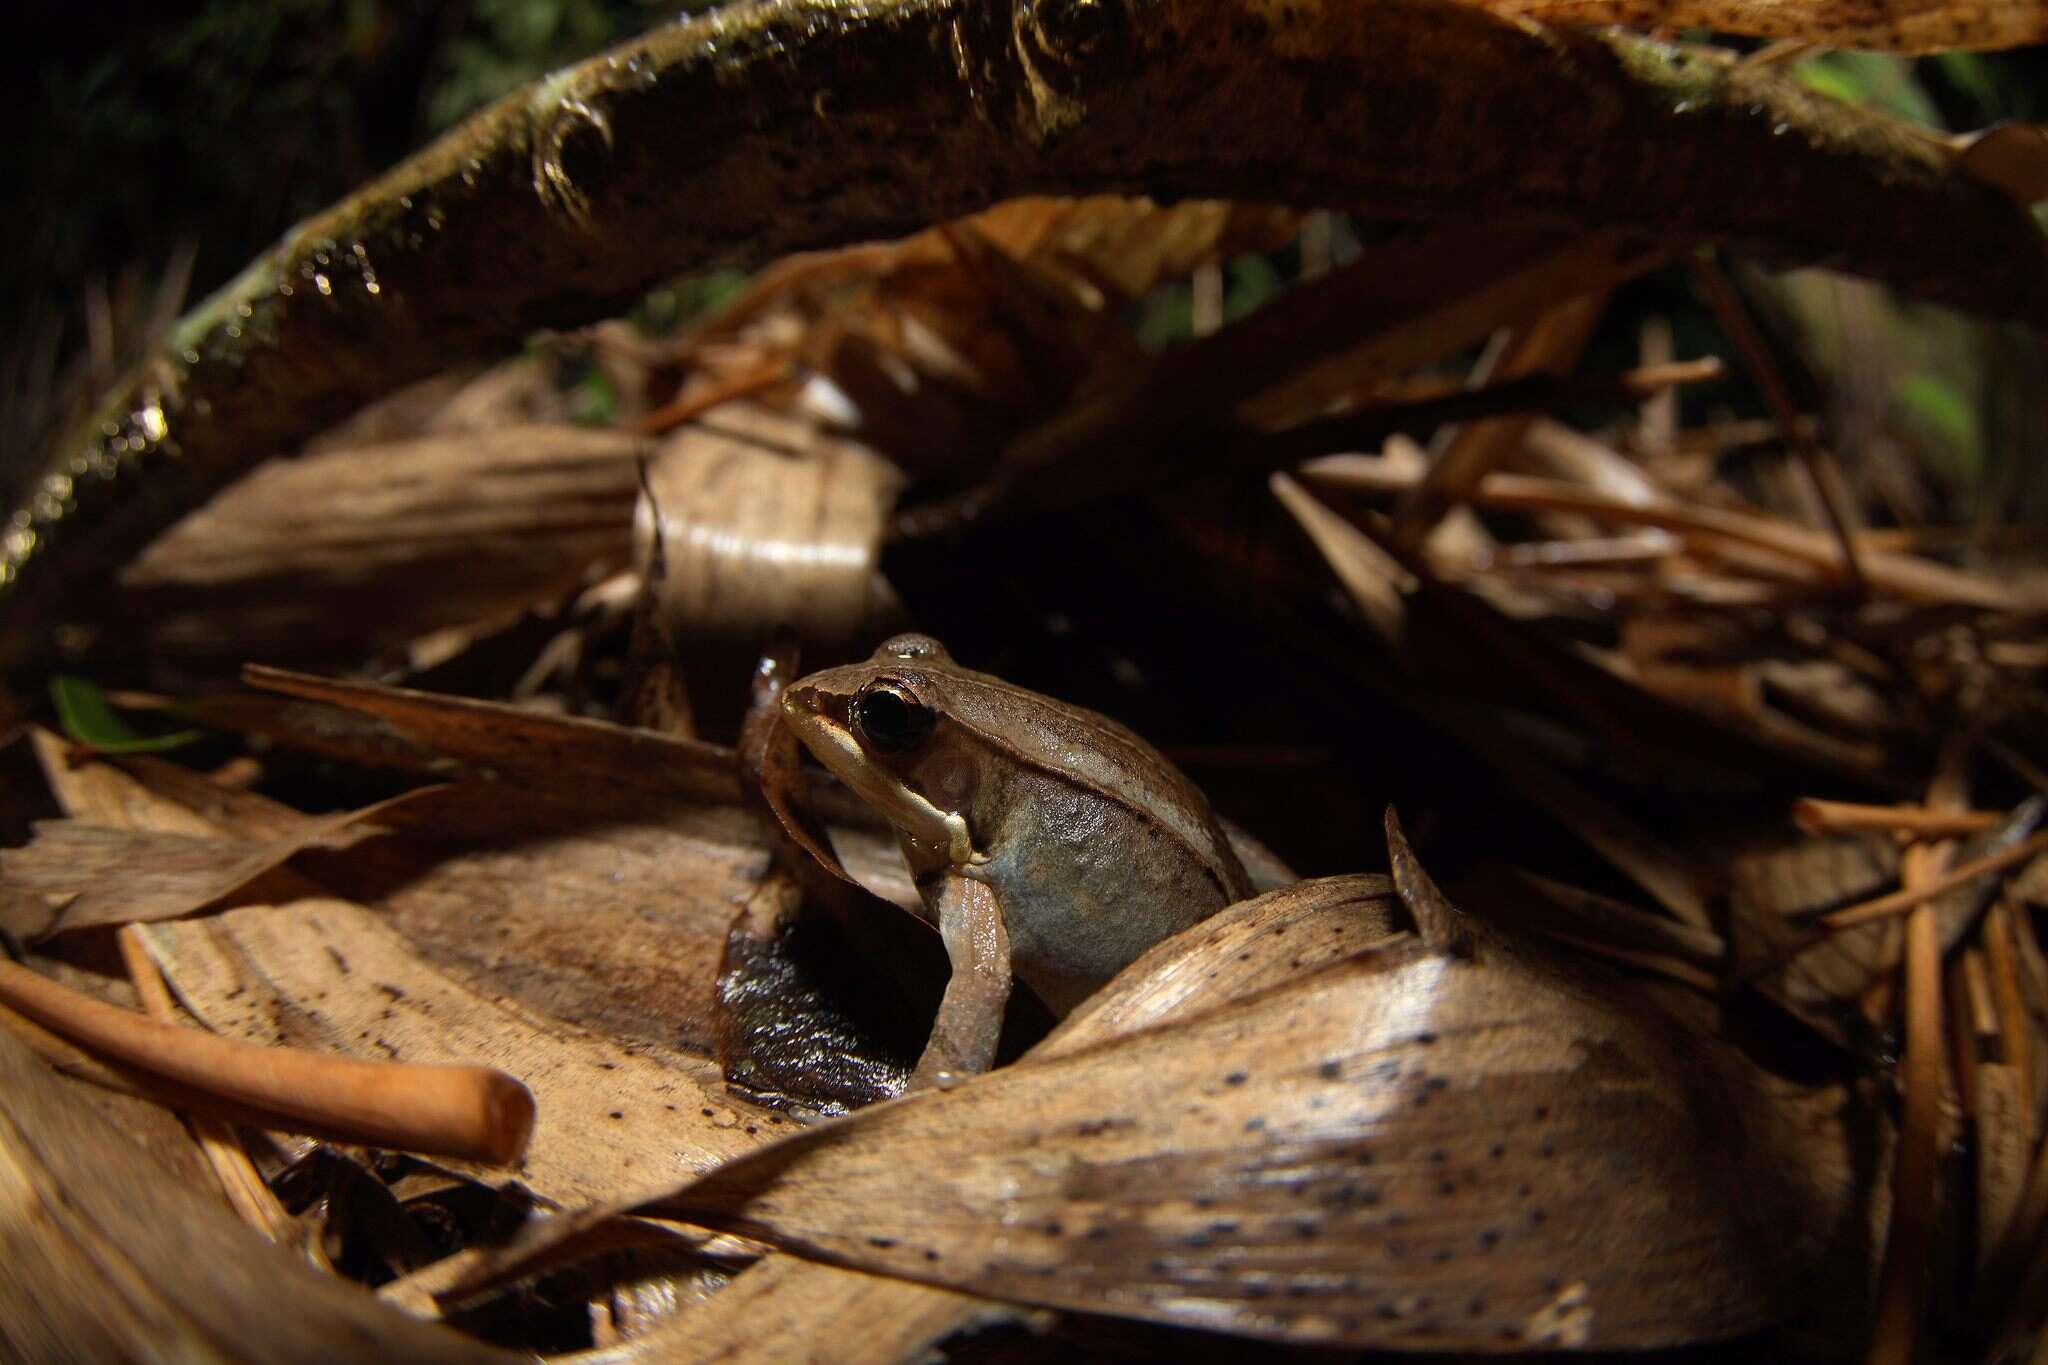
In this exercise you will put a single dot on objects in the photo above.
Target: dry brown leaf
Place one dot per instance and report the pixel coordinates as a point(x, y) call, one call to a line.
point(1240, 951)
point(332, 976)
point(326, 554)
point(1888, 25)
point(1548, 344)
point(1360, 1156)
point(89, 1273)
point(95, 792)
point(1821, 981)
point(1132, 245)
point(93, 875)
point(781, 1308)
point(555, 751)
point(2011, 156)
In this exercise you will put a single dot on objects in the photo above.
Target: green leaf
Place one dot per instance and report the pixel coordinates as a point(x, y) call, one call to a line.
point(1936, 405)
point(1875, 80)
point(87, 719)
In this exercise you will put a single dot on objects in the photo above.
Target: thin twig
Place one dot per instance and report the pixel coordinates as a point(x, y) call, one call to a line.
point(1913, 894)
point(1704, 528)
point(1818, 816)
point(1902, 1284)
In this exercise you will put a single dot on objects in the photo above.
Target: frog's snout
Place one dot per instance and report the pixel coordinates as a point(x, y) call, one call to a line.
point(806, 702)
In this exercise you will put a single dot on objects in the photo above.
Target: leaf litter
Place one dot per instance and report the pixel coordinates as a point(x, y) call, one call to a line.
point(1625, 1083)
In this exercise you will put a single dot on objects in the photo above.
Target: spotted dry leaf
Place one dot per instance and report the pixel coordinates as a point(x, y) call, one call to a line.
point(1404, 1148)
point(332, 976)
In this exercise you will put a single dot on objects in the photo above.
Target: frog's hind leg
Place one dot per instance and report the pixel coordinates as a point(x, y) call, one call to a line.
point(970, 1019)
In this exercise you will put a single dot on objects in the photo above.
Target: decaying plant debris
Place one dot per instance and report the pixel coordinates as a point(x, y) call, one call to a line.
point(1703, 1003)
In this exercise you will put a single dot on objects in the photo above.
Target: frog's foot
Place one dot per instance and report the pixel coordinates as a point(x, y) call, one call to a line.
point(970, 1020)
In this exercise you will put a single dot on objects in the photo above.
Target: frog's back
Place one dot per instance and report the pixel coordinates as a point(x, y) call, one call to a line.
point(1089, 748)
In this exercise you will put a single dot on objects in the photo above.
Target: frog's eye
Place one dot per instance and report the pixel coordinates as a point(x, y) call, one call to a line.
point(889, 719)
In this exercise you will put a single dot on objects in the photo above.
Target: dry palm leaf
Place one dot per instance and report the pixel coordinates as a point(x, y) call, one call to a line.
point(1360, 1153)
point(325, 554)
point(93, 875)
point(330, 975)
point(1368, 1156)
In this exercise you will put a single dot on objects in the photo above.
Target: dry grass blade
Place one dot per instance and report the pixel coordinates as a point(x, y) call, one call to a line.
point(89, 1275)
point(1549, 345)
point(1767, 372)
point(1402, 304)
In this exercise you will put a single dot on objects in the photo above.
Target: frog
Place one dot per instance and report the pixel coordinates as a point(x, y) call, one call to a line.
point(1048, 843)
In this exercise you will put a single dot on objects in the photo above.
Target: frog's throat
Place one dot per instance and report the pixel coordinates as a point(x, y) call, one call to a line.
point(904, 807)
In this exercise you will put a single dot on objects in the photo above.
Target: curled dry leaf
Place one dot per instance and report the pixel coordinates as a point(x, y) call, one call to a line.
point(1405, 1147)
point(90, 1275)
point(764, 522)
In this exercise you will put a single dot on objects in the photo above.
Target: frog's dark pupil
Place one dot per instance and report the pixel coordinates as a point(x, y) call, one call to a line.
point(891, 721)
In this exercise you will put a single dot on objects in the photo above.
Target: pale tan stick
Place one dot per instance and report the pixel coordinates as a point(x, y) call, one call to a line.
point(246, 1190)
point(1913, 894)
point(1902, 1283)
point(970, 1020)
point(462, 1111)
point(1818, 816)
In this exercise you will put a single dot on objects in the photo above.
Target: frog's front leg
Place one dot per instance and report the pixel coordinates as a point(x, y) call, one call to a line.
point(970, 1019)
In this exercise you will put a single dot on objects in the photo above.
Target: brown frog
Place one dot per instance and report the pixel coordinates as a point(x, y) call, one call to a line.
point(1041, 834)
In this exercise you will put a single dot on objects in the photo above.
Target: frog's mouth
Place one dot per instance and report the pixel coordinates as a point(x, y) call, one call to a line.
point(819, 717)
